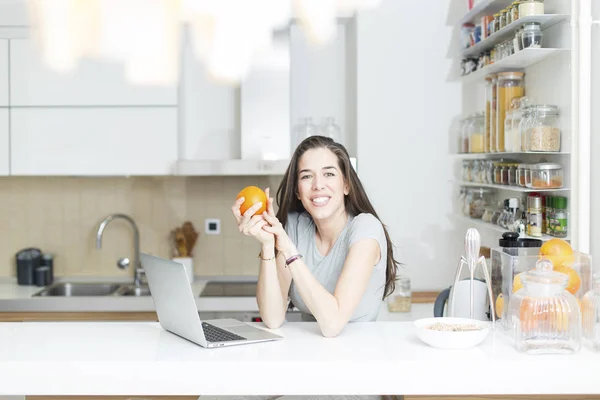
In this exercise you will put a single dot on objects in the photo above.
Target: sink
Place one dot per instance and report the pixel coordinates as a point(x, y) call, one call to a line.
point(131, 290)
point(73, 289)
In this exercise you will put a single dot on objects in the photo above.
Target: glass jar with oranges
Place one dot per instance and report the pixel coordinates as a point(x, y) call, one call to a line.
point(544, 315)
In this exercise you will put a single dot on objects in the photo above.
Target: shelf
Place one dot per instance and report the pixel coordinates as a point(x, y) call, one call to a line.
point(546, 21)
point(483, 8)
point(518, 61)
point(510, 188)
point(487, 225)
point(512, 153)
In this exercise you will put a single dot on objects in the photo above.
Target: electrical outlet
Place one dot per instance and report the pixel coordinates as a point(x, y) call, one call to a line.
point(212, 226)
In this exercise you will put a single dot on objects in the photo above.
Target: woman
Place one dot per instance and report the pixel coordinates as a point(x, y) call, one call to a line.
point(326, 247)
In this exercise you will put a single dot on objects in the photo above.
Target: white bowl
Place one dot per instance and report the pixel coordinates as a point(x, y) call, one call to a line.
point(452, 339)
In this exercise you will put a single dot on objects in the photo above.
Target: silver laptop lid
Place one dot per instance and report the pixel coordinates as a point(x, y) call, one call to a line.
point(173, 298)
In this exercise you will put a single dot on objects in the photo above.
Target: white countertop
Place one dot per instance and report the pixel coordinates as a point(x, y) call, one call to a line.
point(140, 358)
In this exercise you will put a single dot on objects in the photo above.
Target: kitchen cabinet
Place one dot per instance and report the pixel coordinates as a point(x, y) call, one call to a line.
point(93, 141)
point(4, 142)
point(210, 128)
point(92, 83)
point(3, 73)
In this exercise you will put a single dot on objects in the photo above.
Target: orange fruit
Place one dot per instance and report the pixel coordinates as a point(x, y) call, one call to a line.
point(574, 279)
point(252, 195)
point(499, 305)
point(558, 251)
point(517, 283)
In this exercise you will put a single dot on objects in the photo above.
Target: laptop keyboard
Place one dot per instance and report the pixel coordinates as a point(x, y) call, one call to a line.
point(215, 334)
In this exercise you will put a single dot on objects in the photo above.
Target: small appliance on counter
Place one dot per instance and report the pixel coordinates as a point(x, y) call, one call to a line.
point(469, 297)
point(34, 267)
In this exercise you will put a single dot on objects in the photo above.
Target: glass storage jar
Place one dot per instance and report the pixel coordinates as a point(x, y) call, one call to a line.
point(504, 173)
point(544, 317)
point(401, 298)
point(508, 136)
point(476, 171)
point(477, 133)
point(528, 176)
point(546, 176)
point(490, 110)
point(510, 86)
point(526, 116)
point(543, 133)
point(465, 128)
point(493, 112)
point(532, 36)
point(480, 198)
point(531, 7)
point(590, 315)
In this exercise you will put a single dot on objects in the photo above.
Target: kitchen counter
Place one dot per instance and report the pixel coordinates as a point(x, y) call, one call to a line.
point(16, 298)
point(128, 358)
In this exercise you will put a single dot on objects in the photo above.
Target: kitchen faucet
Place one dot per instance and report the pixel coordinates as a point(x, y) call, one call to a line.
point(123, 263)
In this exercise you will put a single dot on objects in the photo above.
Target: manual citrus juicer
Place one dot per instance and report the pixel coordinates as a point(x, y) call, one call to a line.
point(472, 260)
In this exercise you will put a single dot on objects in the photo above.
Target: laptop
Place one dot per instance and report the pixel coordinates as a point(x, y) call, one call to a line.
point(177, 313)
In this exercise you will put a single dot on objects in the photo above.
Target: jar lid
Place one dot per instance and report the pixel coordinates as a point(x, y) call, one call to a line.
point(511, 75)
point(547, 108)
point(545, 166)
point(511, 239)
point(543, 273)
point(559, 202)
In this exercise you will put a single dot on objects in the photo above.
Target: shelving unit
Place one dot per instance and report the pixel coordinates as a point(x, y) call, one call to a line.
point(548, 80)
point(484, 7)
point(510, 188)
point(486, 225)
point(546, 21)
point(516, 62)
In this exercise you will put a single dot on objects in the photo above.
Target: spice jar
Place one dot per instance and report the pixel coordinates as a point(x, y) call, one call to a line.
point(590, 315)
point(401, 298)
point(512, 174)
point(531, 7)
point(546, 176)
point(502, 19)
point(477, 133)
point(558, 220)
point(498, 173)
point(544, 316)
point(521, 175)
point(532, 35)
point(536, 220)
point(543, 133)
point(528, 175)
point(466, 170)
point(510, 87)
point(514, 9)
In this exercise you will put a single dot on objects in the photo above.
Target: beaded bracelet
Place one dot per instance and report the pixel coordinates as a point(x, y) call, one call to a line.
point(292, 259)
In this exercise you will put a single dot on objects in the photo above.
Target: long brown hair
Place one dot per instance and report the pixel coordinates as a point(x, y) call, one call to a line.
point(356, 202)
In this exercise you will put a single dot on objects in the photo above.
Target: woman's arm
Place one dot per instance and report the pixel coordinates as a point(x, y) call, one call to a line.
point(333, 312)
point(274, 282)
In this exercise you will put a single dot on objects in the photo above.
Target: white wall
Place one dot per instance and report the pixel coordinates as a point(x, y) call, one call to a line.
point(595, 175)
point(405, 110)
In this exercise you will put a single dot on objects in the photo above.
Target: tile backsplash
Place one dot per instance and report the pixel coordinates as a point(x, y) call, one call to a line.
point(60, 215)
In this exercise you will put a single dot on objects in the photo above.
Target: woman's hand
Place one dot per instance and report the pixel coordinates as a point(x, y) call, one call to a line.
point(252, 225)
point(274, 227)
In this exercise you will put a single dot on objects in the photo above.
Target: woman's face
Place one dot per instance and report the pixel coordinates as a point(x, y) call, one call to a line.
point(321, 186)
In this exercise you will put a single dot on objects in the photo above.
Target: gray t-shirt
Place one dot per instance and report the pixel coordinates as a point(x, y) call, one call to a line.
point(302, 230)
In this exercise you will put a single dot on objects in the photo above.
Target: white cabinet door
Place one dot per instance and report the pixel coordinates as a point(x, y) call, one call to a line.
point(4, 143)
point(87, 142)
point(3, 73)
point(93, 83)
point(209, 114)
